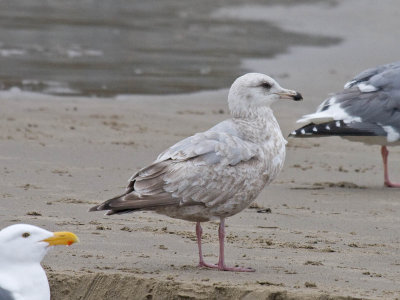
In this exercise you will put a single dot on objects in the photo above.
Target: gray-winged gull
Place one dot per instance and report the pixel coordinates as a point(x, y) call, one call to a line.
point(367, 110)
point(22, 248)
point(217, 173)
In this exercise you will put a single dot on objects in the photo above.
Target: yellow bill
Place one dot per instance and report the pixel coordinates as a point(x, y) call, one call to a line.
point(62, 238)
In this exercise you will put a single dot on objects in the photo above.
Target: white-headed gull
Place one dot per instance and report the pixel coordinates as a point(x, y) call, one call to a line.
point(22, 248)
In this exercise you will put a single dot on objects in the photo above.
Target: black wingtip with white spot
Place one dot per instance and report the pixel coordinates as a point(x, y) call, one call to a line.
point(338, 128)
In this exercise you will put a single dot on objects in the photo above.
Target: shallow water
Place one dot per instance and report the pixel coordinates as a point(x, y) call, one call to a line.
point(104, 48)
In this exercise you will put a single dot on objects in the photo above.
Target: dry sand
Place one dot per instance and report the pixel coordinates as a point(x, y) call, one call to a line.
point(333, 230)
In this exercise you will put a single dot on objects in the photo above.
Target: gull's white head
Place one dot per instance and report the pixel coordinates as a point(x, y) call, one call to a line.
point(22, 247)
point(28, 243)
point(253, 91)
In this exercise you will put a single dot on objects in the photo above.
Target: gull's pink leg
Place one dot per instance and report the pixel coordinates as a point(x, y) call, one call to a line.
point(221, 262)
point(385, 154)
point(202, 263)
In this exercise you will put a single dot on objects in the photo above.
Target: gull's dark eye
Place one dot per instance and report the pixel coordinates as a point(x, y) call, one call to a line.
point(266, 85)
point(26, 234)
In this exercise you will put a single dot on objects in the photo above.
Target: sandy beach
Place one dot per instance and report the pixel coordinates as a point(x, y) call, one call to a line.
point(332, 231)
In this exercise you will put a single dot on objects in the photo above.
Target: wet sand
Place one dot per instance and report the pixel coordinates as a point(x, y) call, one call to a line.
point(105, 48)
point(333, 230)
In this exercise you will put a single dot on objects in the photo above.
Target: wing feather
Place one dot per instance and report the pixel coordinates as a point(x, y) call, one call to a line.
point(372, 97)
point(196, 170)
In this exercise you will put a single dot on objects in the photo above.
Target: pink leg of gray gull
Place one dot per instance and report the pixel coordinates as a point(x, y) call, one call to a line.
point(385, 154)
point(221, 262)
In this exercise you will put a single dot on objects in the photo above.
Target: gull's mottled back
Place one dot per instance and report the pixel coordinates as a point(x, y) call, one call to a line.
point(217, 173)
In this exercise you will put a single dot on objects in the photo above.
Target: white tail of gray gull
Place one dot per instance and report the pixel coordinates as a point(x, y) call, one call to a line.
point(217, 173)
point(367, 110)
point(22, 247)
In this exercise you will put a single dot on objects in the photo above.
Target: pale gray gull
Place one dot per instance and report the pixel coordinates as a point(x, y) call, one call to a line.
point(217, 173)
point(367, 110)
point(22, 248)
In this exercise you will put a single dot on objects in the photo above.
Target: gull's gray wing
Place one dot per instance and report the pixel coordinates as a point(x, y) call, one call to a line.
point(369, 105)
point(366, 75)
point(204, 169)
point(5, 294)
